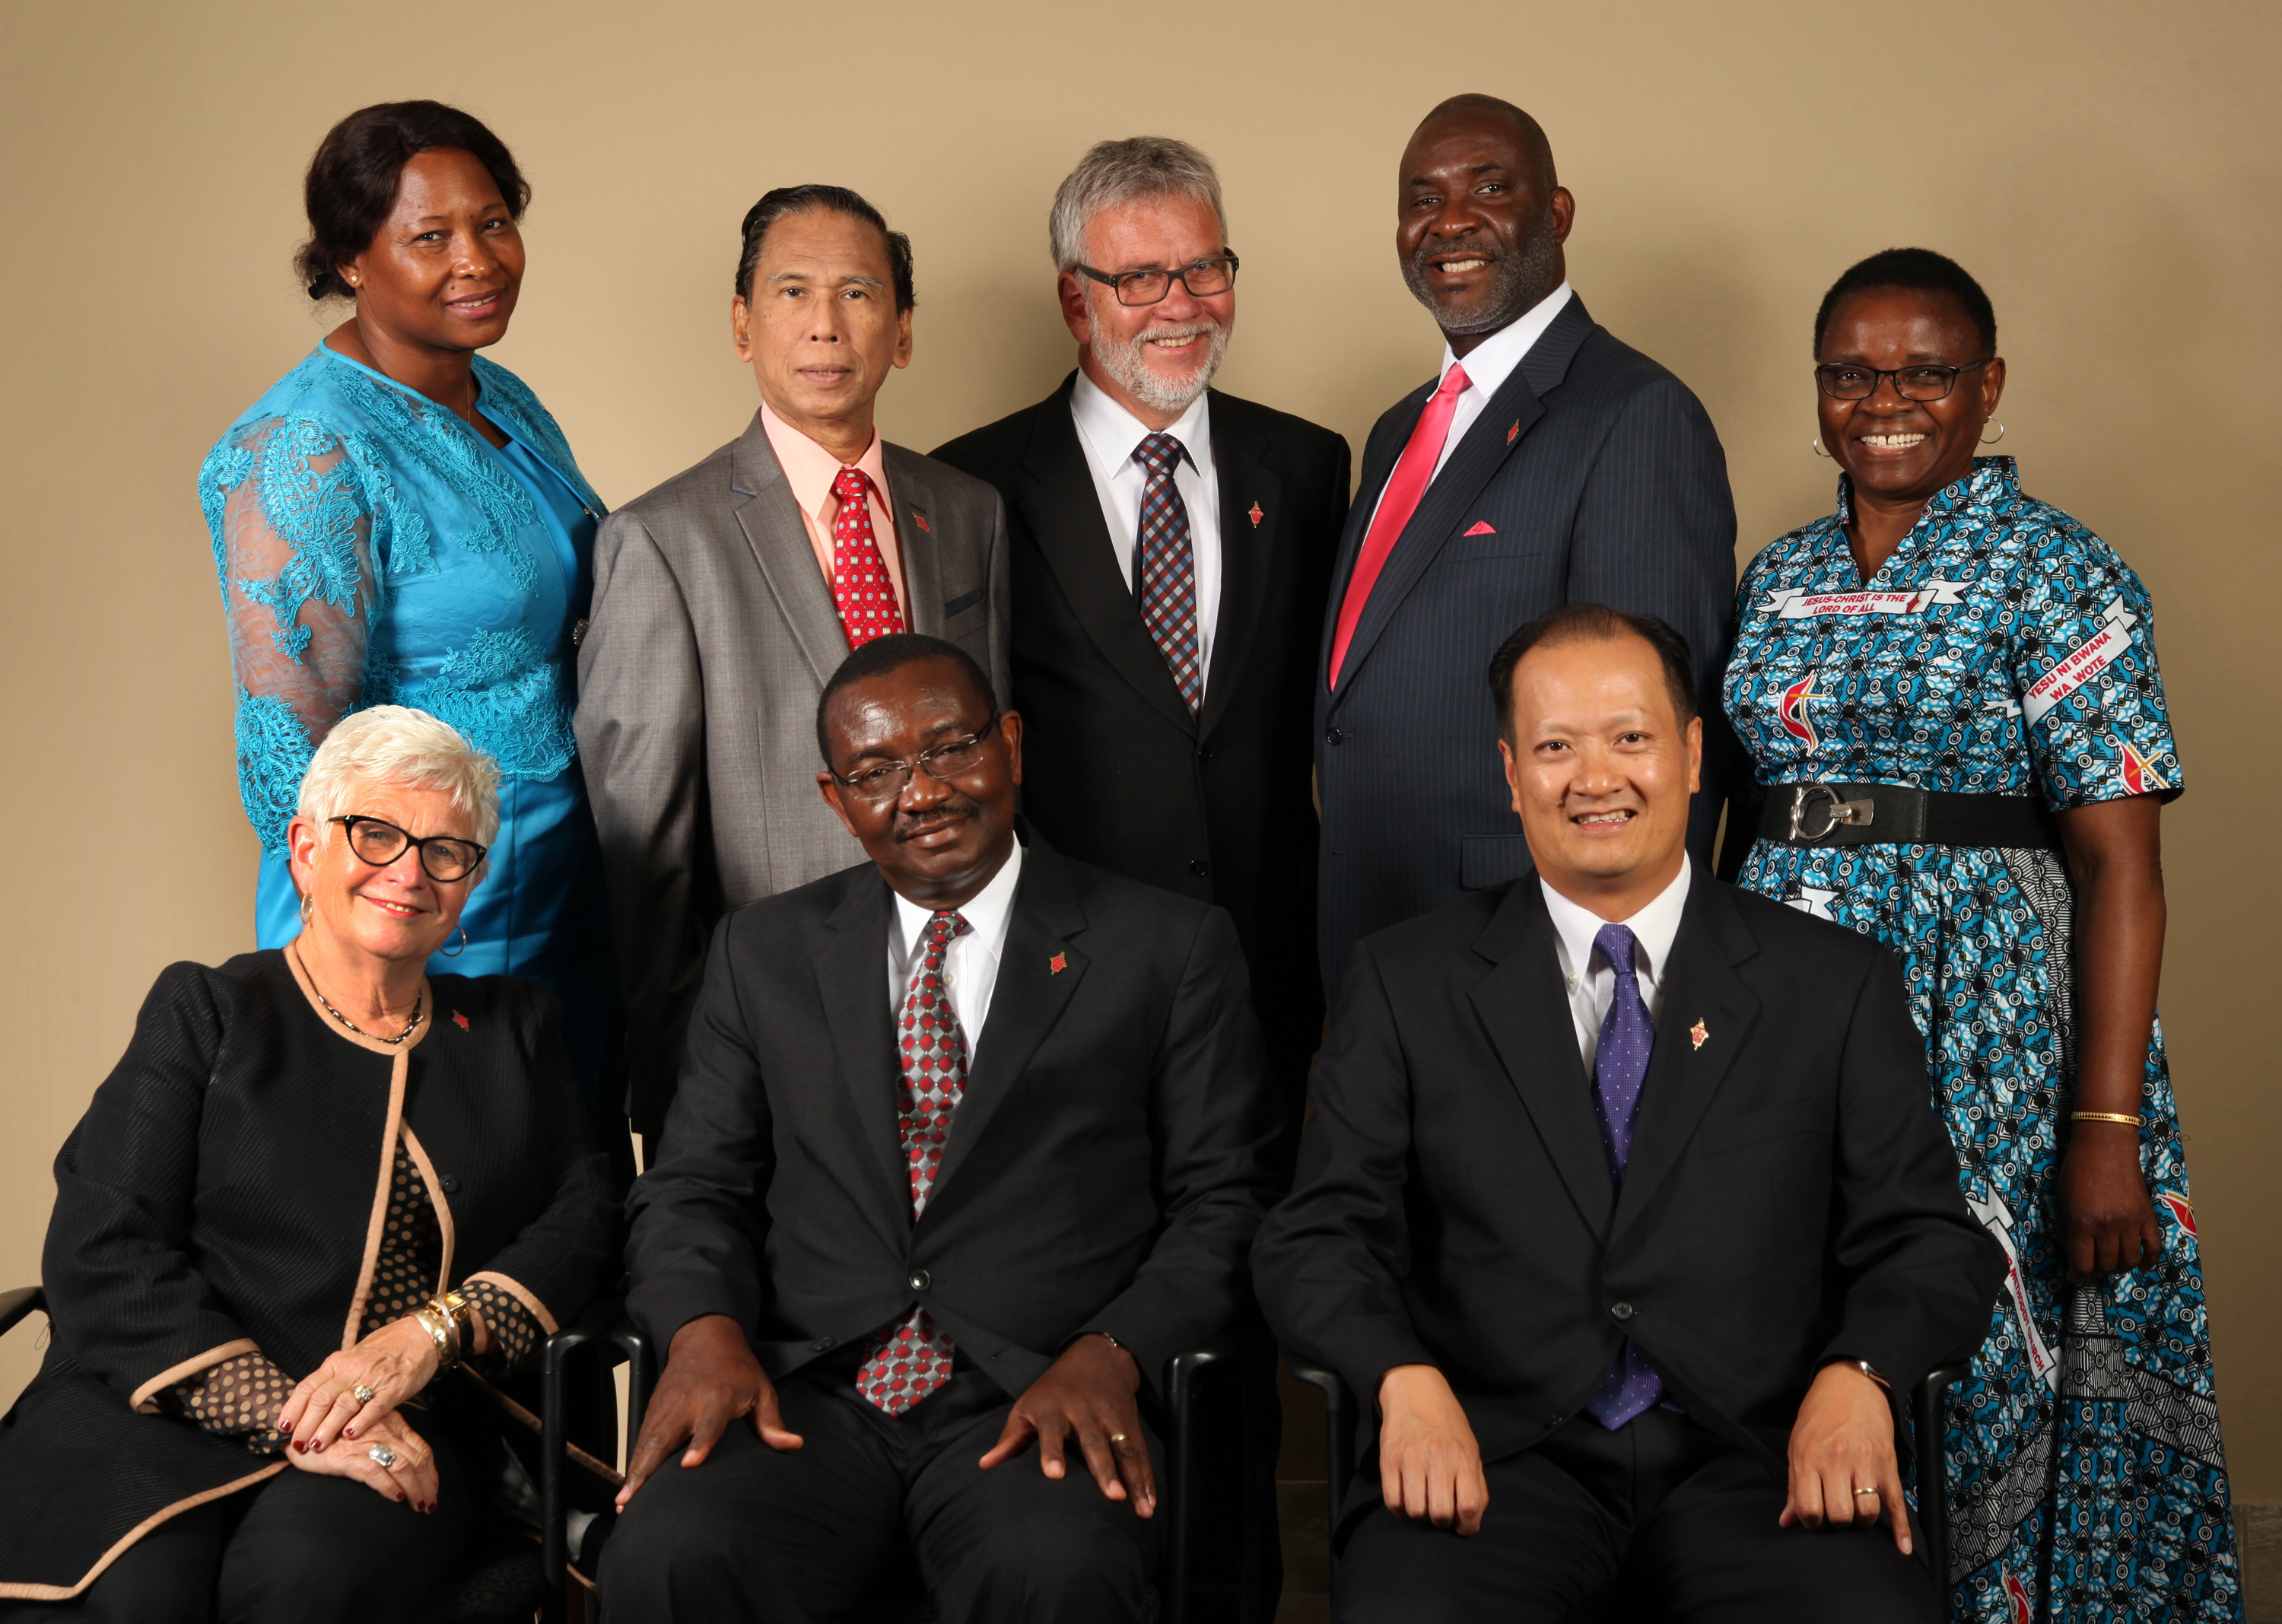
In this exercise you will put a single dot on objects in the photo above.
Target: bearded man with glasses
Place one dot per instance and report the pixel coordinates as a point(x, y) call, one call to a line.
point(972, 1139)
point(1170, 549)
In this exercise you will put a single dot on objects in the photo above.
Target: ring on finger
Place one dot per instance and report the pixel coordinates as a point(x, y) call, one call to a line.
point(382, 1456)
point(1865, 1491)
point(361, 1394)
point(1117, 1437)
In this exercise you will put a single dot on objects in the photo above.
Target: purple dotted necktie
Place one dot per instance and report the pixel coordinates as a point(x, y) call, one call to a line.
point(1619, 1067)
point(1164, 568)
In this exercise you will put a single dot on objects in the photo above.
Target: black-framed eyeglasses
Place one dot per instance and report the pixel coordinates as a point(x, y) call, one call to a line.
point(444, 858)
point(1202, 279)
point(945, 761)
point(1846, 380)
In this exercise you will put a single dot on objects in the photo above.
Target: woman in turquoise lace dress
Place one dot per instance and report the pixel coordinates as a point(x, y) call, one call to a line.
point(1951, 700)
point(400, 521)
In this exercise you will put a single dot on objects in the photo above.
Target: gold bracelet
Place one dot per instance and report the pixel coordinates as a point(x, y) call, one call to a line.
point(439, 1331)
point(454, 1310)
point(2104, 1116)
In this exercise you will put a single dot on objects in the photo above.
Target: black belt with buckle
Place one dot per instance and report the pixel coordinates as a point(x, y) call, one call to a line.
point(1894, 814)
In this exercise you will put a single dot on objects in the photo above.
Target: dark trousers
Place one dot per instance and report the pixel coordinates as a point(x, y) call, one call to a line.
point(295, 1549)
point(1660, 1519)
point(815, 1534)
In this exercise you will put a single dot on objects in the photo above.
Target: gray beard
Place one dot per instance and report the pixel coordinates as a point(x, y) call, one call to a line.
point(1123, 361)
point(1519, 281)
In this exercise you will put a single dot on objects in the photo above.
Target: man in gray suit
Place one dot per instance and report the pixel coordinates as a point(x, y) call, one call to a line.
point(1547, 464)
point(725, 598)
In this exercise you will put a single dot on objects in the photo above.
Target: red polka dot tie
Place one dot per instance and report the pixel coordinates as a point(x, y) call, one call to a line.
point(911, 1358)
point(860, 587)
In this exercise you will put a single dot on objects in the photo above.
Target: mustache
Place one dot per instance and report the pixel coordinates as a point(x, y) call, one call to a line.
point(1481, 246)
point(910, 826)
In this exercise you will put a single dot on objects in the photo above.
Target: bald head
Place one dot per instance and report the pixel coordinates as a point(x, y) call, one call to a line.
point(1528, 133)
point(1481, 217)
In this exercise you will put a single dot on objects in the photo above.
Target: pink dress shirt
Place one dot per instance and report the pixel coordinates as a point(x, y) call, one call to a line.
point(809, 470)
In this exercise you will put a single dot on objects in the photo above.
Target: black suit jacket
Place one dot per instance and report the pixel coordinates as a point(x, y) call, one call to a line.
point(1107, 1165)
point(1792, 1196)
point(1593, 476)
point(1115, 771)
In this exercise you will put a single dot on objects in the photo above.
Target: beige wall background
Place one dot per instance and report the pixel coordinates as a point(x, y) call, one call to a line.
point(2107, 169)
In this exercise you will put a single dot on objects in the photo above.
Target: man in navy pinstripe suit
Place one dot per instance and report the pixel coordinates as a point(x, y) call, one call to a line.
point(1546, 464)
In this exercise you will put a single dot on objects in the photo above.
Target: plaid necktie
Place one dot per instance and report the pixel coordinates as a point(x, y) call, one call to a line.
point(911, 1358)
point(1164, 569)
point(1619, 1067)
point(860, 587)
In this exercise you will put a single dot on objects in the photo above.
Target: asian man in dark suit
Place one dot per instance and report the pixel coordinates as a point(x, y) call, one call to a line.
point(1547, 464)
point(1170, 549)
point(1625, 1200)
point(970, 1139)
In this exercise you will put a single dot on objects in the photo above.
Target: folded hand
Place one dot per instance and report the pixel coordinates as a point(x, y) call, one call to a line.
point(395, 1362)
point(1844, 1473)
point(409, 1475)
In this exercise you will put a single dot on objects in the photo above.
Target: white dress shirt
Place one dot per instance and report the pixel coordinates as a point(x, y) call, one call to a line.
point(1488, 367)
point(1110, 434)
point(970, 964)
point(1585, 971)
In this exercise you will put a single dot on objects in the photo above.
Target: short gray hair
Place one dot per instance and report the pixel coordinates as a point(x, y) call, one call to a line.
point(395, 744)
point(1116, 172)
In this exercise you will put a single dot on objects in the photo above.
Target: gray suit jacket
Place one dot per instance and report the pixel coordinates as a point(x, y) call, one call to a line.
point(711, 636)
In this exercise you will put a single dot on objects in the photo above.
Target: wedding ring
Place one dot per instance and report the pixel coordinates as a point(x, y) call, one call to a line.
point(382, 1456)
point(1117, 1437)
point(1865, 1491)
point(362, 1393)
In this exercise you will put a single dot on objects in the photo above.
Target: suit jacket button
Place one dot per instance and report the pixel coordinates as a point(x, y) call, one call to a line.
point(1335, 737)
point(1204, 752)
point(920, 1279)
point(820, 1345)
point(451, 1184)
point(1621, 1310)
point(1198, 867)
point(1556, 1419)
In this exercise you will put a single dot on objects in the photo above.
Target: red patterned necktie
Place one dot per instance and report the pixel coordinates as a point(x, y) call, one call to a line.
point(1165, 567)
point(911, 1358)
point(860, 587)
point(1414, 471)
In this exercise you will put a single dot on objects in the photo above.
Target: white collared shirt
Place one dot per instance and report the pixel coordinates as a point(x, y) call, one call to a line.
point(970, 964)
point(1110, 434)
point(1585, 971)
point(1488, 367)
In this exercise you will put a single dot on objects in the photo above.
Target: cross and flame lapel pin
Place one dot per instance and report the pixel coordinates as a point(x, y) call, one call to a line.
point(1698, 1033)
point(1056, 965)
point(1255, 515)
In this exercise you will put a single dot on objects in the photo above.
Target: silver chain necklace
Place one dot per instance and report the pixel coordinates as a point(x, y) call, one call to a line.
point(410, 1026)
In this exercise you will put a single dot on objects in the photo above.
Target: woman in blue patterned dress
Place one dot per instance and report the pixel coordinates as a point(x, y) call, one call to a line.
point(398, 521)
point(1950, 694)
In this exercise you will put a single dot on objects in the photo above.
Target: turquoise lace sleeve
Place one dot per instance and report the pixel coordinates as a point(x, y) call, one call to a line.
point(292, 541)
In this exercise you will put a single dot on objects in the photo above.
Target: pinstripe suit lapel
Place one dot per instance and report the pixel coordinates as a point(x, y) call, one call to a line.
point(1496, 435)
point(778, 536)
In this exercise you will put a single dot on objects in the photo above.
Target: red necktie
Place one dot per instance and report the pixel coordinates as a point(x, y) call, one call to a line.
point(1413, 472)
point(911, 1358)
point(860, 587)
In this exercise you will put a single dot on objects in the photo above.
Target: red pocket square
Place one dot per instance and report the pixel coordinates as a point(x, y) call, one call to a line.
point(1482, 527)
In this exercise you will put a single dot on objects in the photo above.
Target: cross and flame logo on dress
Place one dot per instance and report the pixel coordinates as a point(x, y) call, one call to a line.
point(2139, 777)
point(1793, 711)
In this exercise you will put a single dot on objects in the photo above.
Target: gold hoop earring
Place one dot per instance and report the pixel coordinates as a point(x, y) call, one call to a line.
point(1815, 446)
point(453, 953)
point(2000, 435)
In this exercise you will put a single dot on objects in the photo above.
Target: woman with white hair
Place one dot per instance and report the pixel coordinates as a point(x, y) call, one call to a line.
point(320, 1180)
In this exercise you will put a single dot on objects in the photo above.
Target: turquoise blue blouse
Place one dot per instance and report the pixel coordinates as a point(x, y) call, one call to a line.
point(372, 549)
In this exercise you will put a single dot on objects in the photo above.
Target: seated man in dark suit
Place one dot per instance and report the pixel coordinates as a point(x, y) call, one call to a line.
point(970, 1140)
point(1635, 1326)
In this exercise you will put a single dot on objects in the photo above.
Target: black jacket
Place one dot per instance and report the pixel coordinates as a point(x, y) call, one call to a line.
point(224, 1192)
point(1790, 1196)
point(1593, 476)
point(1115, 771)
point(1107, 1168)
